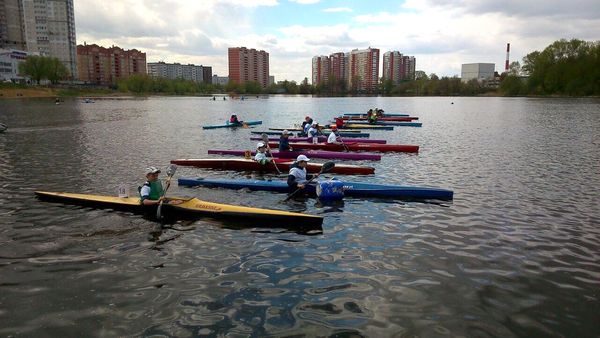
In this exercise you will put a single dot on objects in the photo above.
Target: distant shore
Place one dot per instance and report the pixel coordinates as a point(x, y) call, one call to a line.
point(50, 92)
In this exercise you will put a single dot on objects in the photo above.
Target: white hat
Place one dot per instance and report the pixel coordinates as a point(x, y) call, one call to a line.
point(302, 158)
point(260, 145)
point(152, 170)
point(286, 132)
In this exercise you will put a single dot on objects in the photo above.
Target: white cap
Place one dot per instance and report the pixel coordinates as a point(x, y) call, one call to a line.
point(260, 145)
point(286, 132)
point(302, 158)
point(152, 170)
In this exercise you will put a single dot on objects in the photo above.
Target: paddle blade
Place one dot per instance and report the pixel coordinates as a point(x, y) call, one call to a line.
point(327, 166)
point(171, 170)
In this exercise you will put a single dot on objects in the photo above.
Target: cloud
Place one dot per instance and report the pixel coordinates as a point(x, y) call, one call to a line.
point(337, 9)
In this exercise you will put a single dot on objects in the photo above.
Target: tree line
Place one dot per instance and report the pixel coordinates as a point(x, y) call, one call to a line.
point(563, 68)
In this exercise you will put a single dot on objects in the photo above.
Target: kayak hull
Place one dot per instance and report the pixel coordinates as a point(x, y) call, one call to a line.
point(389, 123)
point(311, 154)
point(405, 148)
point(364, 126)
point(363, 118)
point(385, 115)
point(282, 165)
point(190, 208)
point(351, 189)
point(248, 123)
point(323, 139)
point(344, 134)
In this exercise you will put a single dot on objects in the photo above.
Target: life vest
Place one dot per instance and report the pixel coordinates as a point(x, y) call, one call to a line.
point(156, 190)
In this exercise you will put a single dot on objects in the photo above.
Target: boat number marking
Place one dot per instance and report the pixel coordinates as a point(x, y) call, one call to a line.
point(207, 206)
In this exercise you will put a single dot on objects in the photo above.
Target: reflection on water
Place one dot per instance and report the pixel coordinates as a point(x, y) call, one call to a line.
point(514, 254)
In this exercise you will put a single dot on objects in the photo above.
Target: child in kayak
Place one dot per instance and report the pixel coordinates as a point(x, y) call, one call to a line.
point(284, 141)
point(261, 154)
point(152, 192)
point(234, 120)
point(334, 136)
point(297, 177)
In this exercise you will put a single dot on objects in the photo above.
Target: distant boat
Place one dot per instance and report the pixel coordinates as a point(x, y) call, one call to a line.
point(3, 127)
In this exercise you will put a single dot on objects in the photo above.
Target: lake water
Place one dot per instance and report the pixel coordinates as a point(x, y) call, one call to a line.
point(515, 254)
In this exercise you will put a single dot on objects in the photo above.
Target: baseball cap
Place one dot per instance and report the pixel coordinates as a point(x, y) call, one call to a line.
point(260, 145)
point(285, 132)
point(334, 127)
point(152, 170)
point(302, 158)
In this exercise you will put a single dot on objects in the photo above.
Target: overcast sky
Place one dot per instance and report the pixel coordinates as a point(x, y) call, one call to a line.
point(441, 34)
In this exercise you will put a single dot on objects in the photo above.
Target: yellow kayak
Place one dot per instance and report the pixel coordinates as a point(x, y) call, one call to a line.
point(191, 208)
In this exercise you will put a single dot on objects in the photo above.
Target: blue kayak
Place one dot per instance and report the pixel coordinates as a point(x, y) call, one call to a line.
point(230, 125)
point(344, 134)
point(390, 123)
point(353, 189)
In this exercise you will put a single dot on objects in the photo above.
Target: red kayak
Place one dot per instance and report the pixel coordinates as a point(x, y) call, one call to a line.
point(282, 164)
point(391, 118)
point(404, 148)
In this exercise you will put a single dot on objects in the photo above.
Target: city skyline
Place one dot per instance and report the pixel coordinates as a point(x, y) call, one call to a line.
point(441, 35)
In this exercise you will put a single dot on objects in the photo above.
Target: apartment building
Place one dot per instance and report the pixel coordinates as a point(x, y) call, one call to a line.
point(320, 69)
point(104, 66)
point(398, 67)
point(363, 70)
point(248, 65)
point(191, 72)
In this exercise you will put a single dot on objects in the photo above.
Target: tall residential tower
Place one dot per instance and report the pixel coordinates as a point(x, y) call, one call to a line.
point(248, 65)
point(398, 67)
point(46, 27)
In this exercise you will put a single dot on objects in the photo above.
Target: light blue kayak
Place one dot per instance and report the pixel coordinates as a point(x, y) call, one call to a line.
point(229, 125)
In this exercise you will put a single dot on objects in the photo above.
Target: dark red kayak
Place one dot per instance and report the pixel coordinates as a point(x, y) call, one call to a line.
point(282, 164)
point(405, 148)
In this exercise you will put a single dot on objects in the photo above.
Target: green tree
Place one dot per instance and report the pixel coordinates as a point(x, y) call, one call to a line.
point(36, 67)
point(56, 70)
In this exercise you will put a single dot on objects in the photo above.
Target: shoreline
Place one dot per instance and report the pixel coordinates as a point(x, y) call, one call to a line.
point(48, 92)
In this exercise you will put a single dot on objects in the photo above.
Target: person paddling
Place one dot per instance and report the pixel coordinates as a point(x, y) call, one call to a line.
point(297, 177)
point(152, 192)
point(334, 136)
point(234, 120)
point(284, 141)
point(261, 154)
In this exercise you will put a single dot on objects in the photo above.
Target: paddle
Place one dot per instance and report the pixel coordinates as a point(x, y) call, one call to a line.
point(265, 139)
point(327, 166)
point(342, 142)
point(170, 172)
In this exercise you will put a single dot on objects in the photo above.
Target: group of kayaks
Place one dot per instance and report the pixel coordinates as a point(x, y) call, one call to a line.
point(353, 145)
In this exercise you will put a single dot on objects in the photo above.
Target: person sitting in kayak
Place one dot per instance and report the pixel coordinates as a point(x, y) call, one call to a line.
point(306, 125)
point(339, 122)
point(297, 177)
point(234, 120)
point(334, 136)
point(152, 192)
point(313, 131)
point(261, 154)
point(284, 141)
point(372, 116)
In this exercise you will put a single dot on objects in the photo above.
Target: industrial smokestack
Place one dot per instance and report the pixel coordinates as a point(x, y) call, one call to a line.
point(507, 54)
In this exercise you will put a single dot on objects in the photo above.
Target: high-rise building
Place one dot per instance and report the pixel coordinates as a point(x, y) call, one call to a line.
point(104, 66)
point(398, 67)
point(338, 63)
point(248, 65)
point(191, 72)
point(363, 72)
point(320, 70)
point(44, 27)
